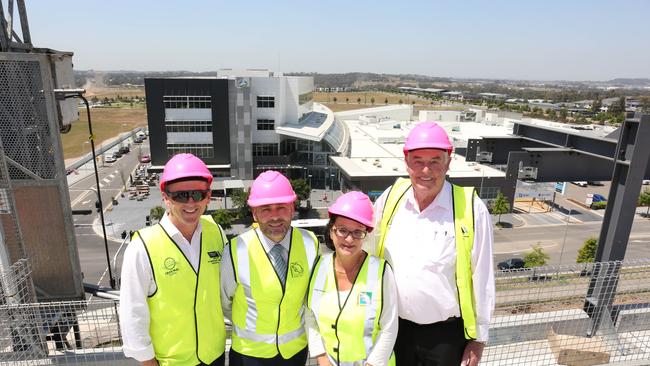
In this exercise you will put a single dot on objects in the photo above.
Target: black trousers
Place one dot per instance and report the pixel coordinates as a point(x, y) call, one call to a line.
point(237, 359)
point(437, 344)
point(218, 362)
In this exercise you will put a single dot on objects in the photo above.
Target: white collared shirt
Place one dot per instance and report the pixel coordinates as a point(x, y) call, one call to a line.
point(228, 282)
point(137, 283)
point(421, 247)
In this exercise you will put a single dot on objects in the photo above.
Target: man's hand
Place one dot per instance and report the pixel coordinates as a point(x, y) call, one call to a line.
point(472, 354)
point(152, 362)
point(323, 360)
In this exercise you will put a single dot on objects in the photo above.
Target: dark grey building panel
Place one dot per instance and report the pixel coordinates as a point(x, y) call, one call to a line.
point(217, 89)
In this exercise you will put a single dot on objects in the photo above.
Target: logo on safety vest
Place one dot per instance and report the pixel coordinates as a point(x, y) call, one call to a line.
point(170, 265)
point(296, 270)
point(215, 257)
point(365, 298)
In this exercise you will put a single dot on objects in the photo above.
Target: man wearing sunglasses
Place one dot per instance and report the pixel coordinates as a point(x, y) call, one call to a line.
point(265, 275)
point(170, 307)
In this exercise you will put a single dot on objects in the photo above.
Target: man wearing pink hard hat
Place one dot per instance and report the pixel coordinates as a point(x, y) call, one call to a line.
point(438, 238)
point(265, 277)
point(170, 308)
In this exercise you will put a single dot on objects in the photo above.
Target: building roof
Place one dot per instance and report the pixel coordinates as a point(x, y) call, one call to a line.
point(377, 149)
point(313, 127)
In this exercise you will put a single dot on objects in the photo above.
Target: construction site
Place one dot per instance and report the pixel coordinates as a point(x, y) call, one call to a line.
point(567, 314)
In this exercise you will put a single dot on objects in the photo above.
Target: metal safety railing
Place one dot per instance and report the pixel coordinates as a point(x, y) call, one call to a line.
point(542, 317)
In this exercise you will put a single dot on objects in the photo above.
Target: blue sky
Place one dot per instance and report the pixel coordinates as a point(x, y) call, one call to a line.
point(542, 40)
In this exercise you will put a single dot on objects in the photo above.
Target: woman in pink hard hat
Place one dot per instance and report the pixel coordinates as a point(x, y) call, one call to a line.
point(169, 309)
point(352, 296)
point(265, 277)
point(438, 238)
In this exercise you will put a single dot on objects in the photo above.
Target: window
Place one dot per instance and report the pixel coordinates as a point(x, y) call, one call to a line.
point(200, 150)
point(265, 149)
point(265, 125)
point(265, 102)
point(184, 101)
point(188, 126)
point(305, 98)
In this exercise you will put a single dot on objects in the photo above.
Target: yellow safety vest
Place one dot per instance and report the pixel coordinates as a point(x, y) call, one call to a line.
point(267, 317)
point(187, 325)
point(349, 330)
point(463, 198)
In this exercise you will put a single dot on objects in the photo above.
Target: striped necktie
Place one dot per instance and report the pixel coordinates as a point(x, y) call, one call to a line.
point(279, 263)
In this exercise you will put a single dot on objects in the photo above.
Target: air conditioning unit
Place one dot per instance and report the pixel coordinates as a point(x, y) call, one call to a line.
point(527, 172)
point(484, 157)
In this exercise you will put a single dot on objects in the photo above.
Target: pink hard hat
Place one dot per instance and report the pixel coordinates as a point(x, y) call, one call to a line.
point(182, 166)
point(269, 188)
point(355, 206)
point(427, 135)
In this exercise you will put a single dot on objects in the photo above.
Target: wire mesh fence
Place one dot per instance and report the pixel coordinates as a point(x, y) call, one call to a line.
point(544, 316)
point(582, 314)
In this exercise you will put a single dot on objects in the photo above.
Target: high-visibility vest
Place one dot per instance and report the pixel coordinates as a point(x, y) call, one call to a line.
point(267, 316)
point(463, 204)
point(186, 322)
point(349, 329)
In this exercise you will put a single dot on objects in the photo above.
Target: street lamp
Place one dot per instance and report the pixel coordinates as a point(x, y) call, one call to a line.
point(63, 94)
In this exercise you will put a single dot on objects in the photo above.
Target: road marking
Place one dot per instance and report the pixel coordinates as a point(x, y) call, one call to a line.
point(79, 198)
point(101, 185)
point(111, 176)
point(106, 180)
point(85, 202)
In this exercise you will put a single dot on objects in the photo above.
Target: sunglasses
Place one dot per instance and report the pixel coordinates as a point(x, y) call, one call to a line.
point(343, 233)
point(184, 196)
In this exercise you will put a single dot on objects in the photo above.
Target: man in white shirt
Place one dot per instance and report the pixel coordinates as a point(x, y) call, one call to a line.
point(438, 238)
point(170, 308)
point(265, 275)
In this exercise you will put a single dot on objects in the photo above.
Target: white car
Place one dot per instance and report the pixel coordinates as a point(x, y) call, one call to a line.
point(109, 158)
point(580, 183)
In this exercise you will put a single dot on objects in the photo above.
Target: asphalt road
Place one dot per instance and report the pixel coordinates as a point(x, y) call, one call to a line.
point(82, 188)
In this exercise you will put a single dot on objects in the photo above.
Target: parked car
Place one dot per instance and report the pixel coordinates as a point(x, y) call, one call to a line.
point(598, 198)
point(511, 263)
point(124, 149)
point(109, 158)
point(145, 158)
point(645, 182)
point(580, 183)
point(117, 154)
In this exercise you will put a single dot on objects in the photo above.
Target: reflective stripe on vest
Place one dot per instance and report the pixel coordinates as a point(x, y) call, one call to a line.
point(463, 205)
point(279, 328)
point(349, 332)
point(187, 325)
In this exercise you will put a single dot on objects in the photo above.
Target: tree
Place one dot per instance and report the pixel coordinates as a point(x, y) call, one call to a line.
point(359, 100)
point(347, 100)
point(587, 254)
point(500, 206)
point(644, 200)
point(386, 101)
point(156, 213)
point(372, 100)
point(302, 188)
point(596, 105)
point(536, 258)
point(239, 198)
point(224, 218)
point(551, 114)
point(334, 99)
point(401, 101)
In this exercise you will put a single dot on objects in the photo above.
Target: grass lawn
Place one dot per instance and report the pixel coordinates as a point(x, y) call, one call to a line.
point(107, 123)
